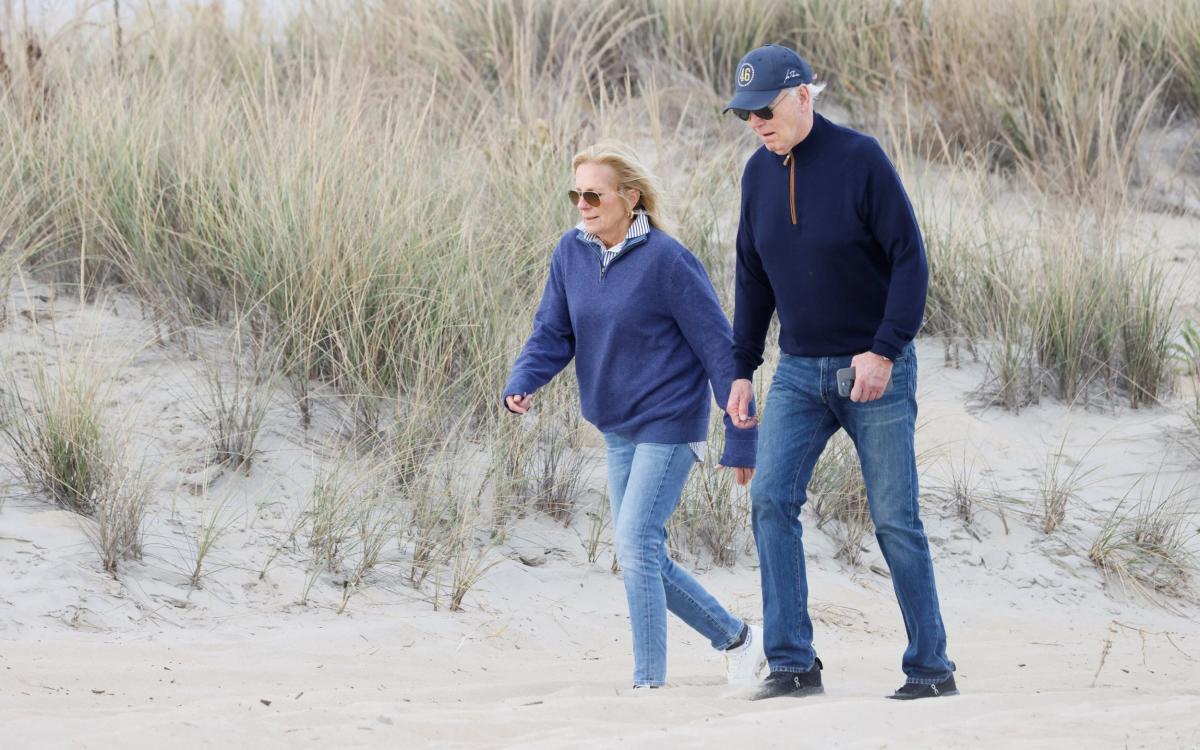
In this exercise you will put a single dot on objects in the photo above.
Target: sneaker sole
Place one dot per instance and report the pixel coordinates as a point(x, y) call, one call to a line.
point(799, 693)
point(946, 694)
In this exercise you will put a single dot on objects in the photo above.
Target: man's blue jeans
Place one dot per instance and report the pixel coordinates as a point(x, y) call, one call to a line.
point(802, 412)
point(645, 481)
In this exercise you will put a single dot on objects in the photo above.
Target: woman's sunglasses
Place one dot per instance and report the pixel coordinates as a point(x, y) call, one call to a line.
point(591, 196)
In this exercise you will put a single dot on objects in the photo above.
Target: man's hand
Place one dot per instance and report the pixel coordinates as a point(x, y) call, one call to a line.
point(741, 392)
point(871, 374)
point(741, 475)
point(519, 403)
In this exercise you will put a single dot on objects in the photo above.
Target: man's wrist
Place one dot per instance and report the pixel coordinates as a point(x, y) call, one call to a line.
point(742, 371)
point(883, 352)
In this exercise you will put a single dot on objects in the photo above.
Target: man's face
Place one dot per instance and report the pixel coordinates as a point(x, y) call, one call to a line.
point(787, 124)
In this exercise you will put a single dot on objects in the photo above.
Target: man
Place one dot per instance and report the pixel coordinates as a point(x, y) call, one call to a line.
point(828, 239)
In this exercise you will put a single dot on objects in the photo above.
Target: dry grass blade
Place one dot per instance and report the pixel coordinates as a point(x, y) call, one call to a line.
point(1148, 544)
point(1187, 350)
point(239, 399)
point(58, 437)
point(1146, 328)
point(64, 450)
point(965, 488)
point(511, 457)
point(471, 564)
point(350, 520)
point(560, 465)
point(599, 520)
point(119, 516)
point(713, 515)
point(214, 522)
point(1060, 484)
point(839, 497)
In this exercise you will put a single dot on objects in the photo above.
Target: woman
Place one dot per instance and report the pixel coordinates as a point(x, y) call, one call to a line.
point(638, 313)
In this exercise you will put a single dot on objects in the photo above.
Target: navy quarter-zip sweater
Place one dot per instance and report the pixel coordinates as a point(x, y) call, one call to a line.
point(648, 337)
point(827, 238)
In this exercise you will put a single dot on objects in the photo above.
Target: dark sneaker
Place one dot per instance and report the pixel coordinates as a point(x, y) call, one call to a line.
point(911, 691)
point(792, 684)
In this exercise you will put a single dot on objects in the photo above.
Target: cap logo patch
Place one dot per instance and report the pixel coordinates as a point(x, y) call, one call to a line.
point(792, 73)
point(745, 74)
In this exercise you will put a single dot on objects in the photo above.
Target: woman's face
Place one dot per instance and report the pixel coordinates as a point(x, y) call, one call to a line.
point(609, 220)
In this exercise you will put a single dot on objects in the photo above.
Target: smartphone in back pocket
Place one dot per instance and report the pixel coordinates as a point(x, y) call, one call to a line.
point(845, 382)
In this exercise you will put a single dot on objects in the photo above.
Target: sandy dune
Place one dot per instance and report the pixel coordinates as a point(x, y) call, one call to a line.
point(1049, 654)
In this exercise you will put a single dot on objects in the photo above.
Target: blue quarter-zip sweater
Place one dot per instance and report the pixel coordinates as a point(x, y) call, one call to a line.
point(827, 238)
point(648, 337)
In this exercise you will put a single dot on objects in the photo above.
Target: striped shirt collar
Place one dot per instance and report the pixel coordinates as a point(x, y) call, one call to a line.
point(640, 226)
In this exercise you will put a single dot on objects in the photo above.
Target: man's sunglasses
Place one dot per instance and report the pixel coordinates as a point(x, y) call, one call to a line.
point(591, 196)
point(764, 113)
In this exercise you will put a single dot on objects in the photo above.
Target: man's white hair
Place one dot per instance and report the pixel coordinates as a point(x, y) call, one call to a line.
point(813, 89)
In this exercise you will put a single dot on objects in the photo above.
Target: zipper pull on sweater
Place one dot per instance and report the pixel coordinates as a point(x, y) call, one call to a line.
point(790, 162)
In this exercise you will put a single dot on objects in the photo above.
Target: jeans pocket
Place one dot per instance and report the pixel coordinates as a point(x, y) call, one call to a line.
point(908, 352)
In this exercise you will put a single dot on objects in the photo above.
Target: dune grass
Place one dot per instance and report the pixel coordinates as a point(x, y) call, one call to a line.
point(66, 452)
point(238, 398)
point(358, 176)
point(351, 520)
point(1147, 544)
point(713, 517)
point(839, 499)
point(58, 436)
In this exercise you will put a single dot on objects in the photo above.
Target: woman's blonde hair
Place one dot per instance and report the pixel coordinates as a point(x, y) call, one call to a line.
point(631, 173)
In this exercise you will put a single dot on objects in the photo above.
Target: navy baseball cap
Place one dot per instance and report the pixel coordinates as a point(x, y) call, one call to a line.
point(763, 73)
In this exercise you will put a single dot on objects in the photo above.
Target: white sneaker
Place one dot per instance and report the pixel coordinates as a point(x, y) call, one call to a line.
point(744, 665)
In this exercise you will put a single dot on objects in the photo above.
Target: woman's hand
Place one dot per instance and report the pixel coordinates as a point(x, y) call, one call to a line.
point(741, 474)
point(519, 403)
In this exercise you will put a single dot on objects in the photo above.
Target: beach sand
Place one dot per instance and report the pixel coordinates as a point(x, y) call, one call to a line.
point(1048, 653)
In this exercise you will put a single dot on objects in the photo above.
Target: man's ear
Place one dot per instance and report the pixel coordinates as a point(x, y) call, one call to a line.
point(805, 97)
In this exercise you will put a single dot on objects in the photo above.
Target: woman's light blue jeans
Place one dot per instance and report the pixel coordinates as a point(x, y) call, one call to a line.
point(645, 482)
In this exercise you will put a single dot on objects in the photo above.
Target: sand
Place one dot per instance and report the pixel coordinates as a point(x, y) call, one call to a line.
point(1048, 653)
